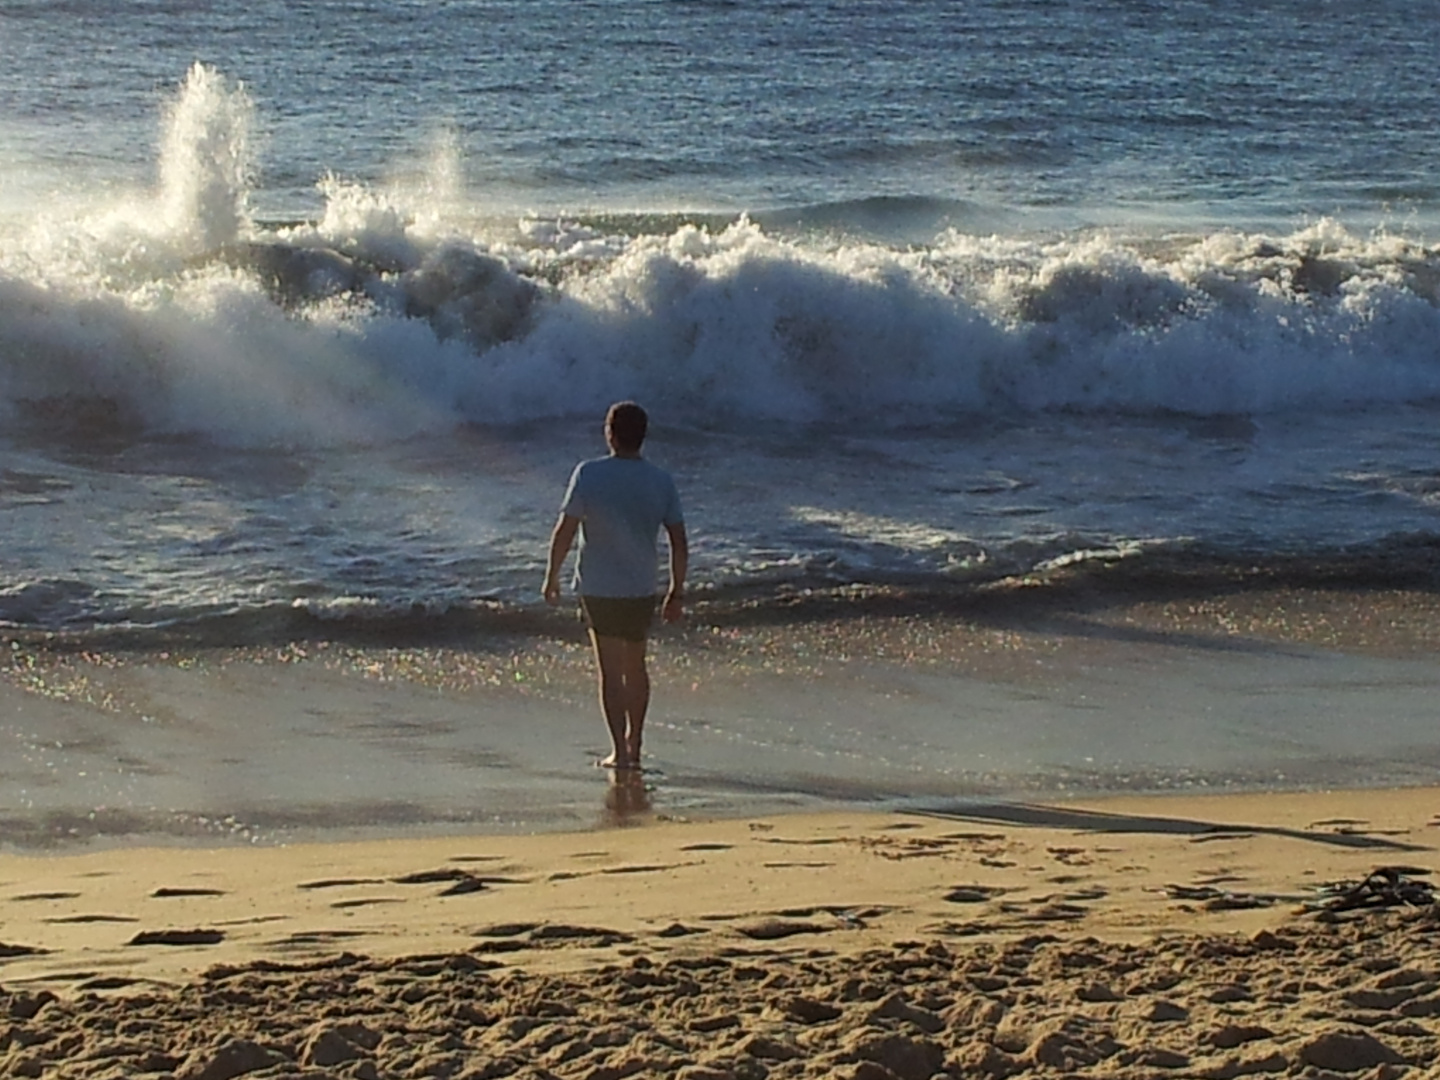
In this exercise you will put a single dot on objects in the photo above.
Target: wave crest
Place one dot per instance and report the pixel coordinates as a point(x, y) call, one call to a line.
point(399, 312)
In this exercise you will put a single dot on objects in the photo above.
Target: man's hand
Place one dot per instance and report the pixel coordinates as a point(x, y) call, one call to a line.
point(560, 541)
point(674, 607)
point(551, 591)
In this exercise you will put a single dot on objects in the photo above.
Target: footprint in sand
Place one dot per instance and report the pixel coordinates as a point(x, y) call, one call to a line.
point(773, 929)
point(1070, 856)
point(67, 919)
point(317, 937)
point(502, 945)
point(636, 868)
point(1052, 911)
point(11, 952)
point(366, 901)
point(647, 868)
point(813, 841)
point(974, 837)
point(106, 982)
point(177, 937)
point(461, 881)
point(432, 877)
point(1220, 878)
point(974, 894)
point(567, 932)
point(463, 886)
point(914, 847)
point(339, 883)
point(513, 937)
point(675, 930)
point(505, 930)
point(950, 928)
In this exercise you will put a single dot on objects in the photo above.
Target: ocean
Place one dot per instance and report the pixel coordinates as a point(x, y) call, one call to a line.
point(308, 309)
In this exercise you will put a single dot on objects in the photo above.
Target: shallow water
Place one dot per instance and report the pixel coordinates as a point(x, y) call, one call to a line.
point(154, 535)
point(325, 739)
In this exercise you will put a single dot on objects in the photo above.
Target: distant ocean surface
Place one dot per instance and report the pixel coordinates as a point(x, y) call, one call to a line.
point(307, 309)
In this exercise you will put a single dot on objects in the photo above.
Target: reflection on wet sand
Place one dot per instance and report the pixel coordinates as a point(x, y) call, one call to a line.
point(627, 799)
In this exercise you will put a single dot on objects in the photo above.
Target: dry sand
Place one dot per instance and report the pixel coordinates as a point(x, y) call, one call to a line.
point(1174, 937)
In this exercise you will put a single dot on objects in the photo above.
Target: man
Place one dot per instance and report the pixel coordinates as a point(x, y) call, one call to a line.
point(618, 504)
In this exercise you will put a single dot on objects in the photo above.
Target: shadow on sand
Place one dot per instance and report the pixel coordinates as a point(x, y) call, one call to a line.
point(1058, 817)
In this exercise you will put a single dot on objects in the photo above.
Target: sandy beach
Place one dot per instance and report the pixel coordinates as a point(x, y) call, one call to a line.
point(1133, 937)
point(286, 861)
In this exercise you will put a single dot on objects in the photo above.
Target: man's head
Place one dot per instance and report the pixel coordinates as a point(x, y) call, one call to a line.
point(625, 426)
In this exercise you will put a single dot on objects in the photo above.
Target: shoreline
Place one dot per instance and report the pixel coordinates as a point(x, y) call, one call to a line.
point(1098, 937)
point(853, 703)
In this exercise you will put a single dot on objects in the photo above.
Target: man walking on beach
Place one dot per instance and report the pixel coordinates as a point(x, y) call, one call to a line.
point(618, 504)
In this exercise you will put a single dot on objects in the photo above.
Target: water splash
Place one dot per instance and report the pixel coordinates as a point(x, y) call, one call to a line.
point(205, 165)
point(403, 310)
point(440, 188)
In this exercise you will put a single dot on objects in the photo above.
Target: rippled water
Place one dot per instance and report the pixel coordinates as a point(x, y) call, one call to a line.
point(311, 307)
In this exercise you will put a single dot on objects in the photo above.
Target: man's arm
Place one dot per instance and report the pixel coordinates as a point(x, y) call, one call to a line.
point(560, 540)
point(674, 608)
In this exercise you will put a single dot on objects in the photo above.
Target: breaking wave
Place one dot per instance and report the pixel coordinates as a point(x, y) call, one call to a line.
point(402, 312)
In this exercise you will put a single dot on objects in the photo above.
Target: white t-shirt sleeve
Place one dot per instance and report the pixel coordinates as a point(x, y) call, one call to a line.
point(674, 515)
point(573, 505)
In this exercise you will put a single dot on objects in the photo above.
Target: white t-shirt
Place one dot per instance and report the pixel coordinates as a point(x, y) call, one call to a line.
point(621, 504)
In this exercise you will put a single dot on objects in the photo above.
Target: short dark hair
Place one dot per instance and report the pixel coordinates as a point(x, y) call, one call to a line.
point(627, 423)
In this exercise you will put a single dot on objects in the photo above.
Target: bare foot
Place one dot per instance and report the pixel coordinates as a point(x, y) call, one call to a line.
point(611, 761)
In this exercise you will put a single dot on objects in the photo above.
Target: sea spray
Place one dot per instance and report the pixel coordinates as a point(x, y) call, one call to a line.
point(205, 161)
point(395, 314)
point(712, 326)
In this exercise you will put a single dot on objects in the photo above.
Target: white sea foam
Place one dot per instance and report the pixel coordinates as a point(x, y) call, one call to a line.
point(205, 166)
point(387, 318)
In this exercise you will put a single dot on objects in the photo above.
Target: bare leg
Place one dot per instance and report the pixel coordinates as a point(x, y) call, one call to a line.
point(609, 662)
point(624, 696)
point(637, 698)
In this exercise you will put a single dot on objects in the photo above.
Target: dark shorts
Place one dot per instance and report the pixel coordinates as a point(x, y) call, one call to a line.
point(627, 617)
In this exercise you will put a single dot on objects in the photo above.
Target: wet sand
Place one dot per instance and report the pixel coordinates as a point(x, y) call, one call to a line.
point(802, 703)
point(707, 922)
point(1136, 937)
